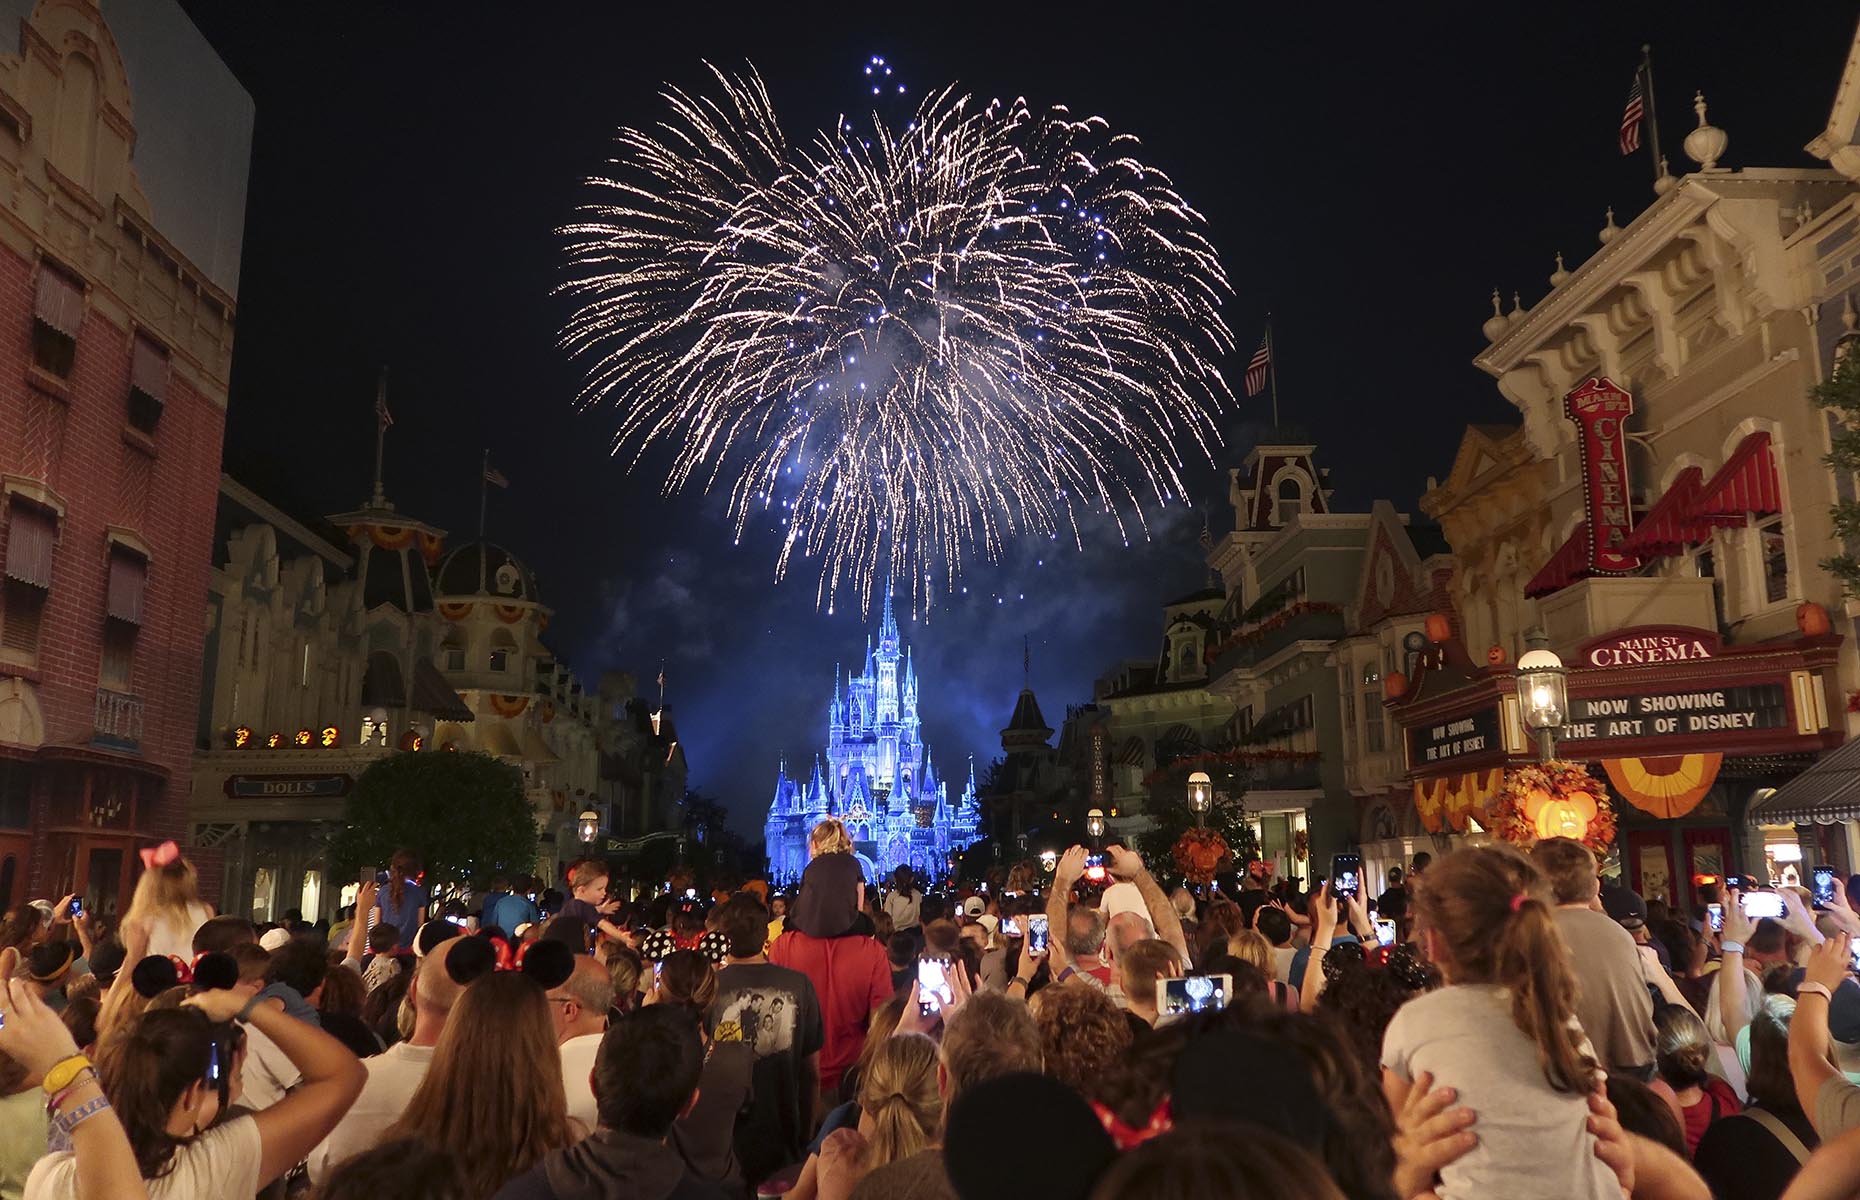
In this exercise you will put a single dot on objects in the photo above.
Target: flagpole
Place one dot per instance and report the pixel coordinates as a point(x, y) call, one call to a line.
point(1272, 365)
point(484, 491)
point(380, 434)
point(1653, 118)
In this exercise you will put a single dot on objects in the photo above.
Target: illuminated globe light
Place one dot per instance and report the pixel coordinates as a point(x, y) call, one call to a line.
point(1024, 369)
point(1049, 859)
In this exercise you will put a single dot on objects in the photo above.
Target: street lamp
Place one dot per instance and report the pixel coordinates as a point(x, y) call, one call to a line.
point(1200, 796)
point(588, 826)
point(1094, 824)
point(1542, 693)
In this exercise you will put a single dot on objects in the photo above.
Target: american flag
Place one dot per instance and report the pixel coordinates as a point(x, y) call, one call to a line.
point(1631, 117)
point(1256, 370)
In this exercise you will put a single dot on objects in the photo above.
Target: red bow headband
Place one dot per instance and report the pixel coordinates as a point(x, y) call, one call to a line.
point(159, 856)
point(1127, 1137)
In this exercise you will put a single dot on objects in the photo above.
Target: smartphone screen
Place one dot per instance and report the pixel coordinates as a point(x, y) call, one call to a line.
point(1197, 993)
point(1346, 874)
point(1826, 880)
point(77, 908)
point(1758, 905)
point(370, 875)
point(1094, 867)
point(1036, 933)
point(1010, 927)
point(933, 990)
point(1385, 931)
point(1714, 915)
point(1855, 952)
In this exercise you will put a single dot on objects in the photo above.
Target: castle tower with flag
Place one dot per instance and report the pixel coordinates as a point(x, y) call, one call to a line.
point(877, 776)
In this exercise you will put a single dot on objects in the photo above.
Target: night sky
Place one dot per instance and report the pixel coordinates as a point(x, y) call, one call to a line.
point(1369, 175)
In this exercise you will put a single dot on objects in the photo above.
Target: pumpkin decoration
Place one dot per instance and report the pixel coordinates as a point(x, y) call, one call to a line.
point(1812, 619)
point(1553, 799)
point(1438, 628)
point(1495, 655)
point(1198, 854)
point(1394, 685)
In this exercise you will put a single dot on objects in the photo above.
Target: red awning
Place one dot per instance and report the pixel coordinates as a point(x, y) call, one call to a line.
point(30, 534)
point(1566, 566)
point(129, 577)
point(1745, 484)
point(1672, 524)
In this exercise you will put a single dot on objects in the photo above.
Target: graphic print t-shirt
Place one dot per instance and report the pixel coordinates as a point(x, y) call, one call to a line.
point(775, 1012)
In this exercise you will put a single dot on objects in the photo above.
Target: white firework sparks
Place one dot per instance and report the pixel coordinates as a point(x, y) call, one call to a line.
point(908, 346)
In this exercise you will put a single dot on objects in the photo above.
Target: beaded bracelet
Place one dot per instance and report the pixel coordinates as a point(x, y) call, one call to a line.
point(82, 1113)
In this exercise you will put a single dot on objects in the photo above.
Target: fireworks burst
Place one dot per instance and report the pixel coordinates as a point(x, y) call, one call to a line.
point(908, 345)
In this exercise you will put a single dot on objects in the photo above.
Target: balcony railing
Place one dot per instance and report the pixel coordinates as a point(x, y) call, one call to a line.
point(116, 720)
point(1303, 621)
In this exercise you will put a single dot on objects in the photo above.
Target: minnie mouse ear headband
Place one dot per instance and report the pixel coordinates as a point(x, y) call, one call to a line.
point(156, 974)
point(159, 856)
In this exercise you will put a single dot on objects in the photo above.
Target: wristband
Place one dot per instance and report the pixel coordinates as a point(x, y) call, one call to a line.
point(82, 1113)
point(1020, 980)
point(1731, 948)
point(57, 1101)
point(63, 1072)
point(1814, 989)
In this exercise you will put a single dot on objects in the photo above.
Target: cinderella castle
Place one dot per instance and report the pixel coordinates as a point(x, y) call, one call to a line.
point(878, 777)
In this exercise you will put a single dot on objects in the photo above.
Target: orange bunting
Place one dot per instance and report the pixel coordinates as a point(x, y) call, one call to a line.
point(431, 546)
point(1666, 785)
point(508, 706)
point(453, 610)
point(509, 614)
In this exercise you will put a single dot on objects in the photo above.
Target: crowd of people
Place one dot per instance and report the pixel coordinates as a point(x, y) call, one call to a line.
point(1495, 1024)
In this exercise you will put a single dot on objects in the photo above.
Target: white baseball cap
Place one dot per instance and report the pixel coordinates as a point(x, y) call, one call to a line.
point(275, 939)
point(974, 906)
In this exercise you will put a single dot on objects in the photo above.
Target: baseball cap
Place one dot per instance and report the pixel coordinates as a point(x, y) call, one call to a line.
point(275, 939)
point(44, 906)
point(974, 906)
point(1624, 905)
point(987, 922)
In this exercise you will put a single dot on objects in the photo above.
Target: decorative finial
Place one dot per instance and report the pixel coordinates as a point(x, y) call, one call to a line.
point(1804, 213)
point(1495, 324)
point(1665, 182)
point(1517, 309)
point(1609, 230)
point(1559, 275)
point(1705, 145)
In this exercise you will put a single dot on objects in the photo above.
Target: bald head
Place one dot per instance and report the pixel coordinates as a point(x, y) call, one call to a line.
point(434, 990)
point(1126, 930)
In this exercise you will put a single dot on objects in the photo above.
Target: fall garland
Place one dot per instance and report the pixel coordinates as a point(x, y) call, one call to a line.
point(1552, 799)
point(1275, 621)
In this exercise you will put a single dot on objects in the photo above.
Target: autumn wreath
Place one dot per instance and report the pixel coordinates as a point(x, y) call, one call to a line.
point(1198, 854)
point(1553, 799)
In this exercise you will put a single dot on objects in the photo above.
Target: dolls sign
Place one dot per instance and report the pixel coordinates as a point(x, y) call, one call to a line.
point(1600, 411)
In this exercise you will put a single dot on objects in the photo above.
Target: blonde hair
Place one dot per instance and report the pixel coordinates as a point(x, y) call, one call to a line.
point(898, 1089)
point(165, 891)
point(1251, 946)
point(1491, 909)
point(829, 837)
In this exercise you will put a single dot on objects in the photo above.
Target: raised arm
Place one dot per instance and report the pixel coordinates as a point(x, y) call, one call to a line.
point(1128, 864)
point(1324, 928)
point(358, 928)
point(1830, 1172)
point(332, 1079)
point(1810, 1062)
point(1732, 1005)
point(135, 935)
point(1071, 865)
point(34, 1037)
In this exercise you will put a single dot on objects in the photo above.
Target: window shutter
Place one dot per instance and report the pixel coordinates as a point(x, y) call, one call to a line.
point(29, 539)
point(129, 575)
point(60, 302)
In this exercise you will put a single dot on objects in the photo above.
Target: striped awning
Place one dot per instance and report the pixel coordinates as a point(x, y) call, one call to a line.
point(1673, 523)
point(1825, 794)
point(59, 302)
point(1131, 753)
point(30, 535)
point(1745, 484)
point(1566, 566)
point(148, 370)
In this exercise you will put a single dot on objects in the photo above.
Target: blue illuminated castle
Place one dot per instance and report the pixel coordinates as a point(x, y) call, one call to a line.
point(878, 777)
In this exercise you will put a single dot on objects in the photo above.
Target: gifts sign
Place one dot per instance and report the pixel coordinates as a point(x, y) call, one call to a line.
point(1600, 411)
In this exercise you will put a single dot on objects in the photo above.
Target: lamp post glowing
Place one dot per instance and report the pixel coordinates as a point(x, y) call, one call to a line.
point(588, 826)
point(1094, 824)
point(1543, 698)
point(1200, 796)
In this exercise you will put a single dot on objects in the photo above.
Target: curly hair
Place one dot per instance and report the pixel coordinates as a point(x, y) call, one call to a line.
point(1360, 1000)
point(1081, 1034)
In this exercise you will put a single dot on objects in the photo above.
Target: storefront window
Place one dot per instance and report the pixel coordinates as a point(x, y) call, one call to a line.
point(1349, 723)
point(309, 904)
point(261, 894)
point(1372, 717)
point(103, 883)
point(1775, 560)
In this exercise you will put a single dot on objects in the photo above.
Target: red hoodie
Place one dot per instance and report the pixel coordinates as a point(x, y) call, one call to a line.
point(852, 976)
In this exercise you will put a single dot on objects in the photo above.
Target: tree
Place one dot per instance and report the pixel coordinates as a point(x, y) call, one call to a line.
point(1170, 817)
point(1841, 393)
point(464, 814)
